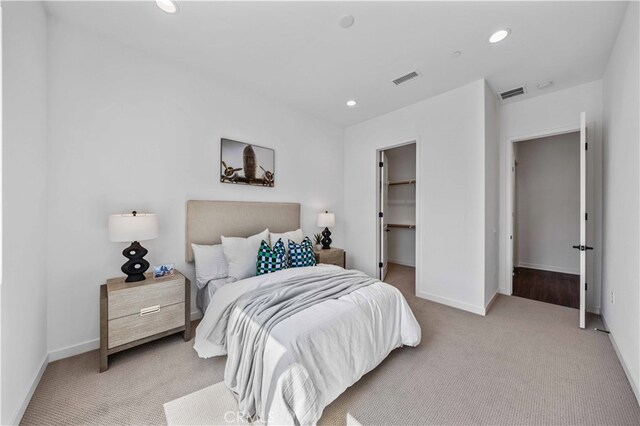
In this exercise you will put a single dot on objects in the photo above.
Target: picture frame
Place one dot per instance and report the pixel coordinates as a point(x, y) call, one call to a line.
point(164, 270)
point(242, 163)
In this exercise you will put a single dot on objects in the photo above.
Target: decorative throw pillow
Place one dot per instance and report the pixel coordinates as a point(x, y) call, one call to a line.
point(241, 254)
point(301, 254)
point(271, 259)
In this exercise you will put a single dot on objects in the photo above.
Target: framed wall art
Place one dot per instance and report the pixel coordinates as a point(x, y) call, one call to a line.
point(246, 164)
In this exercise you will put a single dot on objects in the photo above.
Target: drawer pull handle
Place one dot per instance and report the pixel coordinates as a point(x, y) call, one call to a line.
point(149, 310)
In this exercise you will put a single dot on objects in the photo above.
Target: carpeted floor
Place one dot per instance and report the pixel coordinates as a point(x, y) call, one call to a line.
point(526, 362)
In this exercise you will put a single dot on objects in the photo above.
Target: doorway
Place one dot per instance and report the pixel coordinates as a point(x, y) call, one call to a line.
point(397, 196)
point(586, 226)
point(546, 219)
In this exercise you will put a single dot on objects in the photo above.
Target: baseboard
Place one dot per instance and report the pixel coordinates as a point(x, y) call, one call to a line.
point(622, 362)
point(479, 310)
point(73, 350)
point(549, 268)
point(401, 262)
point(92, 345)
point(17, 416)
point(491, 302)
point(504, 291)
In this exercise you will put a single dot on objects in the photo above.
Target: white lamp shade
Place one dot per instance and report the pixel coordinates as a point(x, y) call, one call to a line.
point(326, 220)
point(129, 227)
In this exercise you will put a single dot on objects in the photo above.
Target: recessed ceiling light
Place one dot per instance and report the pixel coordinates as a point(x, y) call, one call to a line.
point(499, 35)
point(346, 21)
point(456, 54)
point(351, 103)
point(545, 84)
point(168, 6)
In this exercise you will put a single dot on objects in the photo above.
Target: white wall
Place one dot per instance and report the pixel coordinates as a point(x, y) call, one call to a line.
point(24, 168)
point(621, 199)
point(449, 129)
point(548, 203)
point(544, 115)
point(491, 194)
point(132, 131)
point(401, 163)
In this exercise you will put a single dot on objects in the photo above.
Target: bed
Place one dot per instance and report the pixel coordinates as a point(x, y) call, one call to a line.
point(297, 338)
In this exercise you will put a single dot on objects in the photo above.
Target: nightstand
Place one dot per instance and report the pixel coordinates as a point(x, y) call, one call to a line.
point(135, 313)
point(332, 256)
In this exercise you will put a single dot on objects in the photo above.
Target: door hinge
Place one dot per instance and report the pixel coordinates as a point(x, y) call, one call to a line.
point(586, 146)
point(381, 164)
point(585, 286)
point(586, 216)
point(380, 265)
point(380, 214)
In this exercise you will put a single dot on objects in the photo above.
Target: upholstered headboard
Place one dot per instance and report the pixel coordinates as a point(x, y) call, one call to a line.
point(208, 220)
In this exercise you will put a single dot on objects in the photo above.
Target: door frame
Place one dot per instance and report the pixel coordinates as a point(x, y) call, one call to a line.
point(510, 193)
point(405, 141)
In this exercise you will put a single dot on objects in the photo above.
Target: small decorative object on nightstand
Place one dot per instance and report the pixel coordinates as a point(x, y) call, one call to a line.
point(133, 227)
point(133, 314)
point(332, 256)
point(326, 220)
point(317, 240)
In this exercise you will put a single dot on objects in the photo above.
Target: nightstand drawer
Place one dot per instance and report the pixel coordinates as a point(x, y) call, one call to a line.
point(130, 300)
point(151, 320)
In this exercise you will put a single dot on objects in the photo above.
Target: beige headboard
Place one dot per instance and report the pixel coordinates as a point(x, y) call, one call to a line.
point(208, 220)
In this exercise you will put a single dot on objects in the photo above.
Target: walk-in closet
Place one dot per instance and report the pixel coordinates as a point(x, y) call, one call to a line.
point(398, 209)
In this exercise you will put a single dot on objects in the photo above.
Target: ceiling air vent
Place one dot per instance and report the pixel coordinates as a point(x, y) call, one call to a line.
point(513, 92)
point(398, 81)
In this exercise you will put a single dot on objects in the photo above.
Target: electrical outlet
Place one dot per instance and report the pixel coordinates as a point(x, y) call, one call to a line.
point(612, 296)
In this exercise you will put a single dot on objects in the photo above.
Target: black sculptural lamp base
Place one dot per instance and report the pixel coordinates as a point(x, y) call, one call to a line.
point(136, 266)
point(326, 239)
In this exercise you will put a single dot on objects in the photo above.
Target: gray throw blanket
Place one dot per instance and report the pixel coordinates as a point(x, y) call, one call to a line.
point(262, 310)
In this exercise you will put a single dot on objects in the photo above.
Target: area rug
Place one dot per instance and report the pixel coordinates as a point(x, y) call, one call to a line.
point(213, 405)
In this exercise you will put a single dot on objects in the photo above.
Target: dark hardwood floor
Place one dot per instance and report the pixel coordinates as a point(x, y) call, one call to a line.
point(546, 286)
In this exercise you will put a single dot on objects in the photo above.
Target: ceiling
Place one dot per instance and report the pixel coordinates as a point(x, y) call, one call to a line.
point(297, 54)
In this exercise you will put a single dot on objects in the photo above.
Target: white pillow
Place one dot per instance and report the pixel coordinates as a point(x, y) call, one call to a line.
point(211, 263)
point(242, 253)
point(295, 236)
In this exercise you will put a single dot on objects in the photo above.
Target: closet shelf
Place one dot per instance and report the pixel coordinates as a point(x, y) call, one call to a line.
point(401, 201)
point(401, 225)
point(402, 182)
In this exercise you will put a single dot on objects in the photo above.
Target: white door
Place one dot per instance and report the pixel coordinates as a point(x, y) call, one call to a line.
point(382, 208)
point(385, 210)
point(583, 247)
point(514, 223)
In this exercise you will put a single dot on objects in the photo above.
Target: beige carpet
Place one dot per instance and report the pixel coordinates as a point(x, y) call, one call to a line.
point(527, 362)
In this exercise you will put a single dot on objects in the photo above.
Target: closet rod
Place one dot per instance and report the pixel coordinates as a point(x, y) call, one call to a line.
point(402, 182)
point(400, 225)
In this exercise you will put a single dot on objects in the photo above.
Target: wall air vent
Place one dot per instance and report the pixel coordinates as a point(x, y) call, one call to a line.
point(513, 92)
point(398, 81)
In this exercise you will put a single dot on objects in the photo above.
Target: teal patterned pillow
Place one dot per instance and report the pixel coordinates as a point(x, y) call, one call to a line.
point(301, 254)
point(271, 259)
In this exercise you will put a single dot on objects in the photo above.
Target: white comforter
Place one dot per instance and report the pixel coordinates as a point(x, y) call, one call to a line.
point(313, 356)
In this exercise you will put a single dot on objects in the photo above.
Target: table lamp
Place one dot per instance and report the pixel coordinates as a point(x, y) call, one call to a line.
point(134, 227)
point(326, 220)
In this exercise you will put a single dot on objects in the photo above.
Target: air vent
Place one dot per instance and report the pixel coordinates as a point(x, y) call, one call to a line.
point(398, 81)
point(513, 92)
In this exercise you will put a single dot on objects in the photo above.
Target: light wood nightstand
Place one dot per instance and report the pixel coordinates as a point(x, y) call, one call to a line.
point(135, 313)
point(332, 256)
